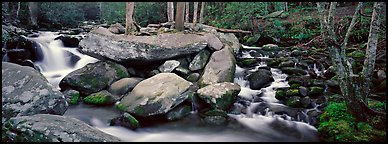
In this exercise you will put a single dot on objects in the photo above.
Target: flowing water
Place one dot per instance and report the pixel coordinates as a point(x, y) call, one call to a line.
point(56, 62)
point(251, 126)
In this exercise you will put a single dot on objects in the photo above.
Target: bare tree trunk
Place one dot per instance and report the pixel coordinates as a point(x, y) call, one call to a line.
point(369, 62)
point(195, 13)
point(352, 85)
point(17, 11)
point(187, 12)
point(129, 23)
point(179, 18)
point(100, 10)
point(33, 9)
point(170, 11)
point(202, 12)
point(285, 6)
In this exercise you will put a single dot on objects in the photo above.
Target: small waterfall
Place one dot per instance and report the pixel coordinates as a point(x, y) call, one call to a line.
point(56, 64)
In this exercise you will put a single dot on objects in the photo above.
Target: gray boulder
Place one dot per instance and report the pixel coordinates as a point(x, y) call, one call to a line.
point(220, 68)
point(117, 28)
point(140, 49)
point(220, 95)
point(25, 92)
point(93, 77)
point(156, 95)
point(230, 40)
point(213, 42)
point(54, 128)
point(124, 85)
point(199, 60)
point(169, 66)
point(259, 79)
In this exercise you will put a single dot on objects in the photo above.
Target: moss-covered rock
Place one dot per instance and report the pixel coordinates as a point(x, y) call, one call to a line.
point(294, 86)
point(126, 120)
point(200, 60)
point(220, 95)
point(100, 98)
point(315, 91)
point(74, 99)
point(280, 94)
point(293, 102)
point(93, 77)
point(248, 61)
point(292, 92)
point(293, 71)
point(193, 77)
point(273, 62)
point(288, 63)
point(178, 112)
point(215, 120)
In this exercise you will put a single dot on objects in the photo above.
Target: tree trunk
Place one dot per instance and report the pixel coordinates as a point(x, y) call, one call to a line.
point(195, 13)
point(17, 11)
point(33, 9)
point(354, 88)
point(285, 6)
point(129, 23)
point(187, 12)
point(170, 11)
point(179, 18)
point(100, 10)
point(370, 57)
point(202, 12)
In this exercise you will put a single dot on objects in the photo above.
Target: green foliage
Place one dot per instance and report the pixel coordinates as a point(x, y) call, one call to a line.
point(74, 99)
point(60, 14)
point(338, 125)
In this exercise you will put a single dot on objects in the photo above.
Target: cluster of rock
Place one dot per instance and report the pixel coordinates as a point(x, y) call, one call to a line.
point(181, 69)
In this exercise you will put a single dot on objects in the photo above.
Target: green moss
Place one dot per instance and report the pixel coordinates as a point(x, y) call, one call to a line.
point(292, 92)
point(249, 61)
point(337, 125)
point(100, 98)
point(74, 99)
point(273, 62)
point(119, 72)
point(293, 102)
point(132, 120)
point(356, 54)
point(294, 86)
point(315, 91)
point(139, 110)
point(120, 106)
point(280, 94)
point(216, 112)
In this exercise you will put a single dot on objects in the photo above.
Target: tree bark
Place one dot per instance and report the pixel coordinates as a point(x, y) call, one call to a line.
point(17, 11)
point(179, 18)
point(170, 11)
point(195, 13)
point(33, 9)
point(100, 10)
point(187, 12)
point(354, 88)
point(202, 12)
point(285, 6)
point(370, 57)
point(129, 23)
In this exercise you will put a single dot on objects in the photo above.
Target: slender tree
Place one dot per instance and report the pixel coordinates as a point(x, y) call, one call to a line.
point(34, 12)
point(202, 12)
point(129, 22)
point(195, 13)
point(18, 10)
point(170, 11)
point(187, 12)
point(179, 18)
point(355, 87)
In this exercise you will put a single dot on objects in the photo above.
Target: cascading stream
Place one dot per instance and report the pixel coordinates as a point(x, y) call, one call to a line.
point(56, 62)
point(249, 127)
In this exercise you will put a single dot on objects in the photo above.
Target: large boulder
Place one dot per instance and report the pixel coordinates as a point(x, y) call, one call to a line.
point(220, 95)
point(156, 95)
point(124, 85)
point(200, 60)
point(213, 42)
point(54, 128)
point(230, 40)
point(220, 68)
point(93, 77)
point(169, 66)
point(140, 49)
point(259, 79)
point(117, 28)
point(25, 92)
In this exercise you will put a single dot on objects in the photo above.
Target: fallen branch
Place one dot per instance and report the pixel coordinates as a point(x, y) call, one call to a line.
point(232, 31)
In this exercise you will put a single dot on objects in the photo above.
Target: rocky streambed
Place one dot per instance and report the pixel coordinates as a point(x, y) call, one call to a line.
point(202, 86)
